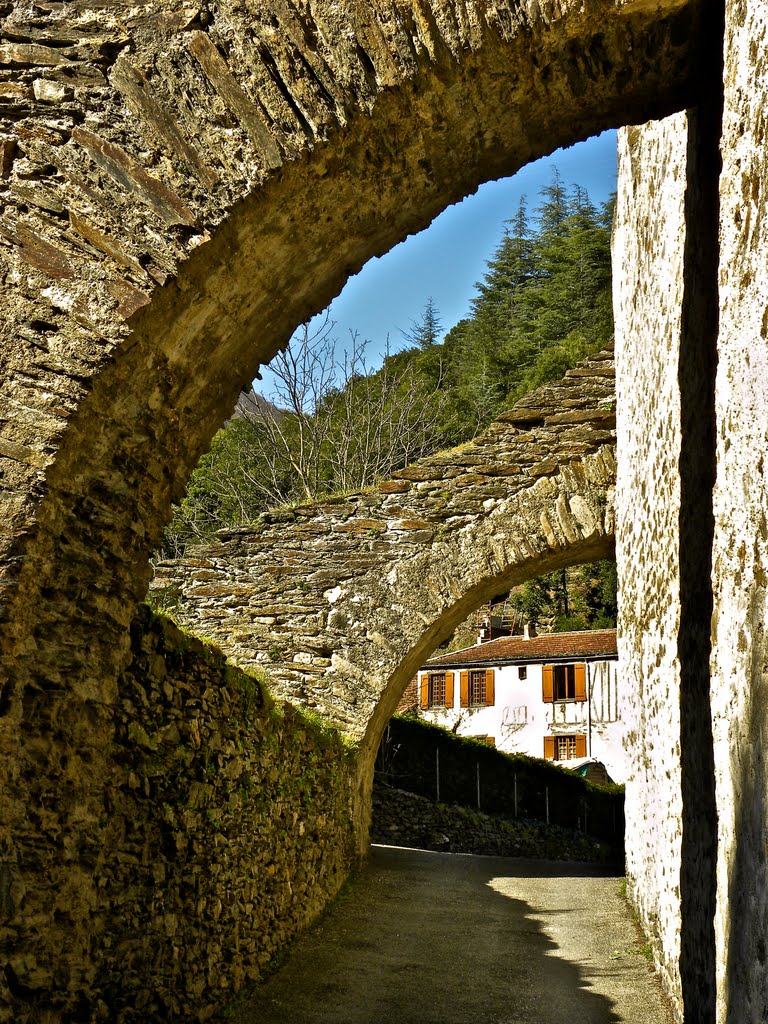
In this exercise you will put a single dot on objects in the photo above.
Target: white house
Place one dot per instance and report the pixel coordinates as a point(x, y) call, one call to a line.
point(556, 696)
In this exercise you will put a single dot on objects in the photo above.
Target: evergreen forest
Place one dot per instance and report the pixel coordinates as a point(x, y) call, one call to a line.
point(332, 424)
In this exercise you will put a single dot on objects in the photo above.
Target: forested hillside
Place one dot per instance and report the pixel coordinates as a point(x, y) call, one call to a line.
point(334, 425)
point(543, 304)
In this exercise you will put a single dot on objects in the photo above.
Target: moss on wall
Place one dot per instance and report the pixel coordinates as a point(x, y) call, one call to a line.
point(227, 827)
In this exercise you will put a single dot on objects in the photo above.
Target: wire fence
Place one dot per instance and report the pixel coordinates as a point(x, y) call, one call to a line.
point(433, 763)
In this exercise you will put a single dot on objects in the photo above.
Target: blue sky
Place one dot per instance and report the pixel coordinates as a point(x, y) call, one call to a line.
point(446, 260)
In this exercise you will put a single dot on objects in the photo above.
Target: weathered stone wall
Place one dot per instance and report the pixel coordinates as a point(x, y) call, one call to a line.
point(648, 282)
point(344, 599)
point(438, 765)
point(740, 555)
point(226, 825)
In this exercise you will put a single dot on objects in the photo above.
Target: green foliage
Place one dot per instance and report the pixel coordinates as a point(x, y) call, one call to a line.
point(543, 305)
point(225, 489)
point(464, 636)
point(580, 598)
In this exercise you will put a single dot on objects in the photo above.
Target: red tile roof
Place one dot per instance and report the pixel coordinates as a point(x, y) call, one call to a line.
point(593, 644)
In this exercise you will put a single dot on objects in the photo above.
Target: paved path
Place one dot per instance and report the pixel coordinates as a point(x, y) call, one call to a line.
point(435, 938)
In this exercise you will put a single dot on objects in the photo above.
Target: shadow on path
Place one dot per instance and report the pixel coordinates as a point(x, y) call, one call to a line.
point(430, 938)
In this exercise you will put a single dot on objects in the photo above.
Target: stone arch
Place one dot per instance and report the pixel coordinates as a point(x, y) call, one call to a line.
point(181, 188)
point(341, 601)
point(199, 193)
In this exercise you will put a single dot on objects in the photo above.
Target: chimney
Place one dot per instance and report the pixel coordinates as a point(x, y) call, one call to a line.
point(529, 630)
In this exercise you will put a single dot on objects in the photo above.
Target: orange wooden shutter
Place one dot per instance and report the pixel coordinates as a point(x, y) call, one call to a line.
point(464, 689)
point(581, 746)
point(580, 672)
point(424, 690)
point(449, 689)
point(549, 748)
point(490, 690)
point(491, 741)
point(548, 687)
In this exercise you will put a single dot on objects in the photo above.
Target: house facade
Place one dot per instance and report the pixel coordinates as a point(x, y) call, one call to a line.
point(556, 696)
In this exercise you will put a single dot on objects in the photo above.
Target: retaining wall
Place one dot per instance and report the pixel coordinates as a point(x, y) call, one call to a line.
point(226, 827)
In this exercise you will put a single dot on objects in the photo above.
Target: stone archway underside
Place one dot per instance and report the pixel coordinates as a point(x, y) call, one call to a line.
point(342, 600)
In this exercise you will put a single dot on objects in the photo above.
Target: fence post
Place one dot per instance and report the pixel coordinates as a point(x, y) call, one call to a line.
point(546, 797)
point(437, 775)
point(477, 766)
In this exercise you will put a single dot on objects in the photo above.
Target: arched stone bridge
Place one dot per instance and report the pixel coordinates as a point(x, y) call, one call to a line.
point(342, 600)
point(182, 187)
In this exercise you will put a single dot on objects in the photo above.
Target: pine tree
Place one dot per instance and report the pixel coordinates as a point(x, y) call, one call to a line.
point(553, 211)
point(493, 349)
point(426, 330)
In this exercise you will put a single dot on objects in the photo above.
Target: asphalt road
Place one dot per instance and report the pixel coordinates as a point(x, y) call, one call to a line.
point(435, 938)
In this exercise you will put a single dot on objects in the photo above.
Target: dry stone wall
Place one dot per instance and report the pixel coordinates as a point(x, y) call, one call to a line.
point(226, 826)
point(401, 818)
point(343, 599)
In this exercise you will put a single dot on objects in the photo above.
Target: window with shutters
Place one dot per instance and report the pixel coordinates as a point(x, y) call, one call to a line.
point(522, 672)
point(477, 688)
point(436, 690)
point(566, 747)
point(563, 682)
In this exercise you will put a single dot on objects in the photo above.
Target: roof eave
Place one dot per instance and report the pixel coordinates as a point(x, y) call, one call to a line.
point(548, 659)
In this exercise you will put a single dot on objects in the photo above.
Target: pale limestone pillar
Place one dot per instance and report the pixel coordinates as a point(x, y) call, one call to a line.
point(740, 556)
